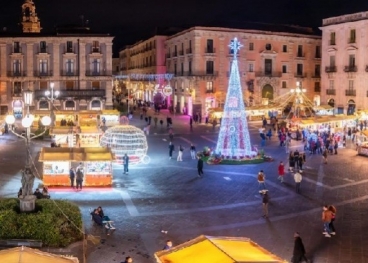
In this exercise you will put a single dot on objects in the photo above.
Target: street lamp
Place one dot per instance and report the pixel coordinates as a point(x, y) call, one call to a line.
point(52, 95)
point(27, 199)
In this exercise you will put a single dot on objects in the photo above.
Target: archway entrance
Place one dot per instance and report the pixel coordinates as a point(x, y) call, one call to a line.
point(331, 102)
point(351, 107)
point(267, 92)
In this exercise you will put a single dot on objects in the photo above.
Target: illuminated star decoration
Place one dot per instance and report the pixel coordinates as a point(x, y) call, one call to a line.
point(235, 46)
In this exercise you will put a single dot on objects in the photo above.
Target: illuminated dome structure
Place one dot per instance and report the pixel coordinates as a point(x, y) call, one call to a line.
point(126, 139)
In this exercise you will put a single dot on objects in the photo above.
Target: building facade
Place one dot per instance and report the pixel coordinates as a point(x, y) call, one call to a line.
point(345, 62)
point(140, 63)
point(270, 64)
point(78, 64)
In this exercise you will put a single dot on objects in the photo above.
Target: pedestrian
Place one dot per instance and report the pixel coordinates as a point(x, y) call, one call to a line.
point(192, 151)
point(281, 170)
point(326, 219)
point(171, 149)
point(261, 181)
point(155, 119)
point(72, 177)
point(214, 123)
point(265, 200)
point(291, 162)
point(128, 260)
point(324, 155)
point(126, 163)
point(298, 179)
point(191, 123)
point(180, 154)
point(336, 145)
point(300, 163)
point(79, 177)
point(162, 123)
point(299, 250)
point(200, 166)
point(171, 135)
point(332, 227)
point(168, 245)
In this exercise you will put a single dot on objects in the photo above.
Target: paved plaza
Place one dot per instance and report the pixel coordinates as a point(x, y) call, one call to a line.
point(167, 195)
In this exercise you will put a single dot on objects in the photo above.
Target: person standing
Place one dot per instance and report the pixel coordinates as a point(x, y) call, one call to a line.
point(261, 181)
point(291, 162)
point(281, 170)
point(300, 163)
point(265, 200)
point(297, 178)
point(192, 151)
point(126, 163)
point(200, 166)
point(72, 177)
point(332, 227)
point(326, 219)
point(191, 123)
point(171, 149)
point(79, 177)
point(299, 250)
point(180, 154)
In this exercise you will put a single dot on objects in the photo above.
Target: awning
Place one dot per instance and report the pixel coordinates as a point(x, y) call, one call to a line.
point(59, 154)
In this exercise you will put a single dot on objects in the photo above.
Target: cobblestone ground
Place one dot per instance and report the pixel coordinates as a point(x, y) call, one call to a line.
point(168, 195)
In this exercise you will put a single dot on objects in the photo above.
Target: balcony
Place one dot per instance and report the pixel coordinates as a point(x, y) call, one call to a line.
point(40, 74)
point(68, 73)
point(210, 91)
point(350, 92)
point(268, 74)
point(350, 68)
point(17, 50)
point(300, 75)
point(95, 50)
point(330, 92)
point(43, 50)
point(317, 56)
point(94, 73)
point(77, 94)
point(181, 52)
point(330, 69)
point(316, 75)
point(16, 74)
point(300, 55)
point(198, 73)
point(209, 50)
point(332, 42)
point(189, 51)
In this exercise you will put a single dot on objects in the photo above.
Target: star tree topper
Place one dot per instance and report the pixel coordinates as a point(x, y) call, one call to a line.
point(235, 45)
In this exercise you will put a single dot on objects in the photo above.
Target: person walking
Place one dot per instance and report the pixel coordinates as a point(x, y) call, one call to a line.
point(155, 120)
point(265, 200)
point(281, 171)
point(299, 250)
point(324, 155)
point(332, 227)
point(79, 177)
point(261, 181)
point(326, 219)
point(192, 151)
point(191, 123)
point(126, 163)
point(180, 154)
point(300, 163)
point(200, 166)
point(171, 149)
point(297, 178)
point(72, 177)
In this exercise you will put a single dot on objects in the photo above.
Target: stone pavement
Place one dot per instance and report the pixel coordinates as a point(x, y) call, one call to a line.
point(168, 195)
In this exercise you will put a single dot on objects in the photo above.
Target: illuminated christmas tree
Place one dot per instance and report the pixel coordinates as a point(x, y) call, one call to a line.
point(233, 139)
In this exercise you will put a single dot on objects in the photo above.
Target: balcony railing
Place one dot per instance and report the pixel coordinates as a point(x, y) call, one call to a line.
point(317, 75)
point(300, 75)
point(350, 69)
point(330, 69)
point(268, 74)
point(17, 50)
point(68, 73)
point(78, 94)
point(300, 55)
point(16, 74)
point(181, 52)
point(93, 73)
point(330, 91)
point(210, 91)
point(209, 50)
point(95, 50)
point(189, 51)
point(17, 94)
point(196, 73)
point(350, 92)
point(42, 73)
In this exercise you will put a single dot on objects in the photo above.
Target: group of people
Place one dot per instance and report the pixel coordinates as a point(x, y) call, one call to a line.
point(101, 219)
point(39, 194)
point(64, 122)
point(77, 176)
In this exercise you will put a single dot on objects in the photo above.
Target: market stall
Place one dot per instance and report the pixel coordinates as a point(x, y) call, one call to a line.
point(209, 249)
point(96, 163)
point(109, 118)
point(63, 136)
point(65, 118)
point(89, 118)
point(88, 136)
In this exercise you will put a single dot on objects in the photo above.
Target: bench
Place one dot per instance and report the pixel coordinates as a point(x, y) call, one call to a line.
point(21, 242)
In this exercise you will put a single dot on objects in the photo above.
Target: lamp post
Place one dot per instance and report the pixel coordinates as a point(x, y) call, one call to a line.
point(52, 95)
point(27, 199)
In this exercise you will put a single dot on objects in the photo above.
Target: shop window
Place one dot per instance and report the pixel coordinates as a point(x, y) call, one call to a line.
point(43, 105)
point(69, 104)
point(96, 104)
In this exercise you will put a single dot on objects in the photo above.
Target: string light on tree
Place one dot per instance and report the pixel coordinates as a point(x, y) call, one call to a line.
point(233, 139)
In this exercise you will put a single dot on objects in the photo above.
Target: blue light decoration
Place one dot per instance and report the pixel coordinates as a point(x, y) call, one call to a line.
point(233, 139)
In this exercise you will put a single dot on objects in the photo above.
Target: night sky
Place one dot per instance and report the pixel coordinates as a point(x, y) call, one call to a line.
point(134, 20)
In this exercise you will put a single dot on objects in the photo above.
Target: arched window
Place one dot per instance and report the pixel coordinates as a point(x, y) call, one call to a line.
point(96, 104)
point(69, 104)
point(43, 105)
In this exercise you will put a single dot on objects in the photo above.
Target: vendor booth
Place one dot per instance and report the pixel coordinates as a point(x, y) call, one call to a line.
point(209, 249)
point(65, 118)
point(109, 118)
point(96, 163)
point(89, 118)
point(88, 136)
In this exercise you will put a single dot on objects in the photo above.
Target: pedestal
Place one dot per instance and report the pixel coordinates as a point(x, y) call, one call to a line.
point(27, 203)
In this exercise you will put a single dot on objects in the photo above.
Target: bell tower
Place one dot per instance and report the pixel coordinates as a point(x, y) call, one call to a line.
point(30, 21)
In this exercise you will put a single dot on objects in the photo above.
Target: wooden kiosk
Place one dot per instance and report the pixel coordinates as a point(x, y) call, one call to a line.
point(96, 162)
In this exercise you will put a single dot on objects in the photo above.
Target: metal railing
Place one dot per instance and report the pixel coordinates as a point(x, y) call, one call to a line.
point(273, 74)
point(350, 68)
point(330, 92)
point(93, 73)
point(38, 73)
point(16, 74)
point(350, 92)
point(78, 94)
point(330, 69)
point(68, 73)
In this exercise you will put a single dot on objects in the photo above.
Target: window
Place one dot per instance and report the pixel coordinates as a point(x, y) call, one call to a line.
point(351, 84)
point(69, 104)
point(251, 46)
point(317, 86)
point(69, 47)
point(175, 69)
point(43, 67)
point(17, 88)
point(332, 61)
point(175, 51)
point(299, 69)
point(209, 47)
point(251, 67)
point(190, 67)
point(268, 47)
point(209, 86)
point(95, 46)
point(209, 67)
point(300, 51)
point(44, 85)
point(284, 69)
point(43, 105)
point(96, 64)
point(317, 71)
point(351, 60)
point(69, 66)
point(182, 69)
point(95, 85)
point(17, 47)
point(352, 36)
point(318, 52)
point(284, 48)
point(332, 38)
point(43, 47)
point(268, 66)
point(69, 85)
point(16, 67)
point(150, 61)
point(284, 84)
point(332, 84)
